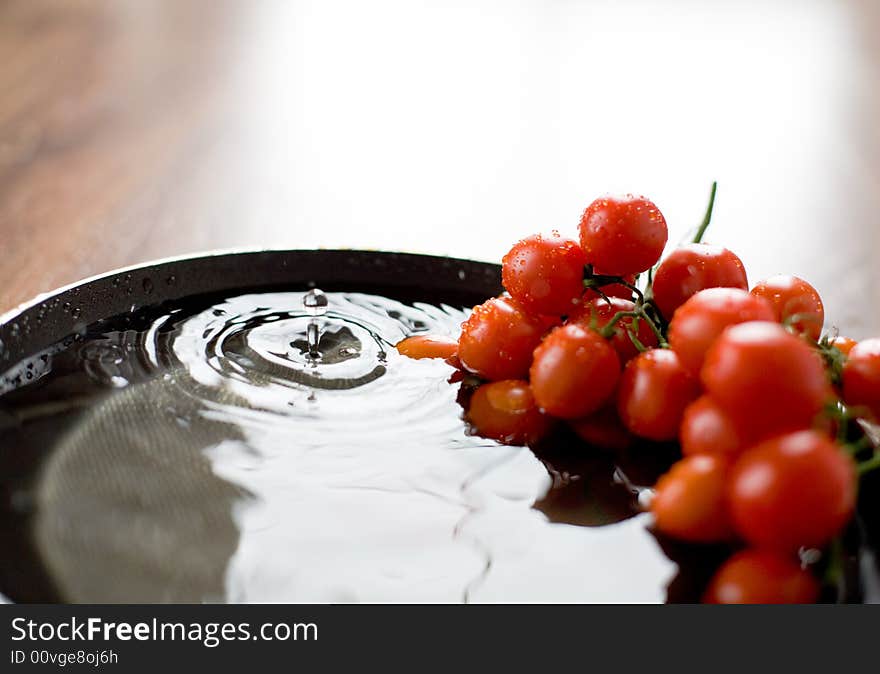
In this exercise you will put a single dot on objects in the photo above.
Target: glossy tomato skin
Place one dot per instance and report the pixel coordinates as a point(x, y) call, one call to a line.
point(765, 378)
point(653, 393)
point(694, 267)
point(701, 319)
point(429, 346)
point(792, 491)
point(861, 376)
point(791, 296)
point(574, 372)
point(761, 577)
point(506, 411)
point(623, 234)
point(497, 340)
point(843, 344)
point(689, 501)
point(544, 273)
point(707, 429)
point(603, 311)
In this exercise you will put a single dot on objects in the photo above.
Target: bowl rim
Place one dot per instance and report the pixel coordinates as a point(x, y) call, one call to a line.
point(49, 317)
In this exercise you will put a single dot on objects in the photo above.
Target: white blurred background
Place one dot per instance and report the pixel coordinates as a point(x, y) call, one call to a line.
point(457, 127)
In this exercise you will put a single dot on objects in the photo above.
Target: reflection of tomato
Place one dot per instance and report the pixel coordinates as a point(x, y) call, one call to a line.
point(792, 491)
point(795, 301)
point(623, 234)
point(861, 376)
point(706, 429)
point(692, 268)
point(602, 429)
point(765, 378)
point(574, 372)
point(699, 321)
point(545, 274)
point(603, 311)
point(429, 346)
point(506, 411)
point(761, 577)
point(689, 501)
point(653, 394)
point(497, 340)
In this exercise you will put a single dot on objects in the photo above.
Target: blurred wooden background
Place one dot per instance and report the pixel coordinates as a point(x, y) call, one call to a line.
point(137, 129)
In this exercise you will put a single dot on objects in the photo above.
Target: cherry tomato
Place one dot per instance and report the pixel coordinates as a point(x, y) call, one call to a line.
point(429, 346)
point(707, 429)
point(506, 411)
point(654, 391)
point(702, 318)
point(861, 376)
point(603, 312)
point(575, 371)
point(602, 429)
point(689, 501)
point(611, 289)
point(792, 491)
point(623, 234)
point(843, 344)
point(794, 301)
point(692, 268)
point(545, 273)
point(765, 378)
point(497, 340)
point(761, 577)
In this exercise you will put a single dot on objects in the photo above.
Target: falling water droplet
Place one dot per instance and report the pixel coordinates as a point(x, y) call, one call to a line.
point(315, 302)
point(313, 335)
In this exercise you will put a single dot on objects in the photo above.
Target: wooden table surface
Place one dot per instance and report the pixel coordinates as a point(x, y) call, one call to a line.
point(138, 129)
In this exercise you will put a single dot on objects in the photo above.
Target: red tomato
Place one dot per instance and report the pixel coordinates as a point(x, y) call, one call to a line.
point(707, 429)
point(689, 501)
point(700, 320)
point(602, 429)
point(545, 273)
point(653, 394)
point(791, 297)
point(603, 312)
point(612, 289)
point(765, 378)
point(761, 577)
point(861, 376)
point(429, 346)
point(843, 344)
point(497, 340)
point(623, 234)
point(792, 491)
point(506, 411)
point(575, 371)
point(692, 268)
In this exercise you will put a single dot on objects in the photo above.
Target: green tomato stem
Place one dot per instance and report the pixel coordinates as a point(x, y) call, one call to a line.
point(867, 466)
point(707, 218)
point(638, 313)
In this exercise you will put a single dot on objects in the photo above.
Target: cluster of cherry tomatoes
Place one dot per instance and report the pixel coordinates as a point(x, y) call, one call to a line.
point(767, 410)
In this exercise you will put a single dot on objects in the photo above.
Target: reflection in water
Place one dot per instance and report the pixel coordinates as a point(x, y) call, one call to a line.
point(388, 498)
point(239, 465)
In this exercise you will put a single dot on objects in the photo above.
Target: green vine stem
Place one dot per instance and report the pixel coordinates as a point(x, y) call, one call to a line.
point(637, 313)
point(707, 218)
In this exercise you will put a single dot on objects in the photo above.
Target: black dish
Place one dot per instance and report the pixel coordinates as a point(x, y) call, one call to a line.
point(587, 489)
